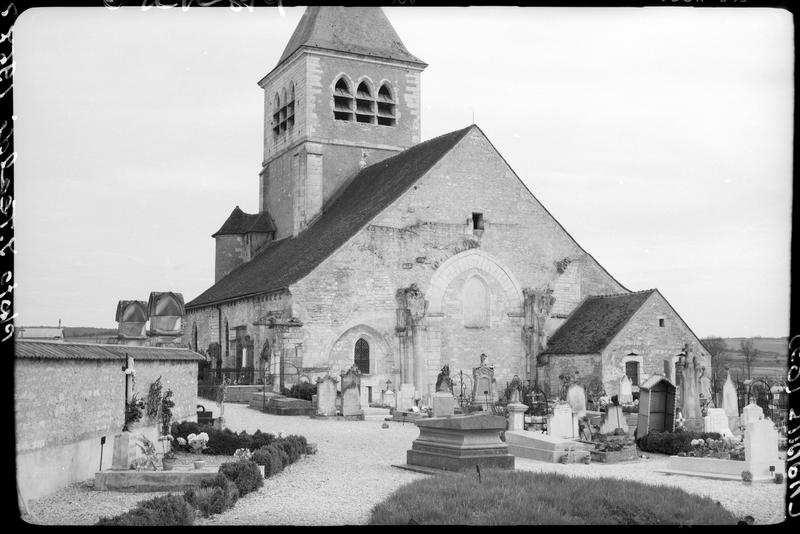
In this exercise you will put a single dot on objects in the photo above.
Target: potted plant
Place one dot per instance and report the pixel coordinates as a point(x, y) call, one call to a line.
point(168, 459)
point(747, 477)
point(167, 404)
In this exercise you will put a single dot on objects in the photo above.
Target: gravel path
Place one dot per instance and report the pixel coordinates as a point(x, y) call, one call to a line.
point(352, 472)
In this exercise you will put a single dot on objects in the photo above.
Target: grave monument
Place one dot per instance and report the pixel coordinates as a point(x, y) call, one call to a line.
point(326, 396)
point(483, 384)
point(625, 390)
point(351, 394)
point(443, 403)
point(516, 410)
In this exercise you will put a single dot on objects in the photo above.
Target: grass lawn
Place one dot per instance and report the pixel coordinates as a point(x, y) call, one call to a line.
point(525, 498)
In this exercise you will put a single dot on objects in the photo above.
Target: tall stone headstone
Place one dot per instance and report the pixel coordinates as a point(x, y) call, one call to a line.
point(750, 413)
point(483, 384)
point(326, 396)
point(615, 418)
point(716, 420)
point(689, 368)
point(576, 397)
point(351, 394)
point(562, 424)
point(125, 451)
point(730, 403)
point(625, 390)
point(761, 448)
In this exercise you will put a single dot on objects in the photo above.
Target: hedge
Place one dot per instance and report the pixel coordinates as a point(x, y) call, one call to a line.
point(672, 442)
point(245, 474)
point(223, 442)
point(166, 510)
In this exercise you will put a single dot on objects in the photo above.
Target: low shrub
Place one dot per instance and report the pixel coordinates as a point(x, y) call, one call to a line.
point(225, 441)
point(229, 489)
point(301, 390)
point(301, 439)
point(166, 510)
point(278, 459)
point(263, 456)
point(672, 442)
point(207, 500)
point(505, 497)
point(261, 439)
point(290, 448)
point(245, 474)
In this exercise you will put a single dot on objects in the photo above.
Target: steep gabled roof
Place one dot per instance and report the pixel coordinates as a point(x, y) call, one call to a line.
point(595, 322)
point(239, 223)
point(358, 30)
point(373, 189)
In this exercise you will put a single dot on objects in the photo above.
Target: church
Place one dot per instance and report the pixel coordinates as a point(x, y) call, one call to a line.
point(376, 249)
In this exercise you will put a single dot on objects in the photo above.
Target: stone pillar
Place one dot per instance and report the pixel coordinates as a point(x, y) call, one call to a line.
point(536, 309)
point(412, 307)
point(516, 416)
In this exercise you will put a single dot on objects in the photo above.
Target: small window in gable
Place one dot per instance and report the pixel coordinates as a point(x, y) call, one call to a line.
point(386, 106)
point(342, 101)
point(660, 322)
point(365, 104)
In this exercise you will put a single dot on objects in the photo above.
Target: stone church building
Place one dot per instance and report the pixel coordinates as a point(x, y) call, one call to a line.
point(374, 248)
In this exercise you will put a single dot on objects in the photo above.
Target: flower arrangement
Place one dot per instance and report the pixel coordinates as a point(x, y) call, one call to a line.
point(679, 419)
point(243, 454)
point(167, 404)
point(604, 401)
point(169, 454)
point(724, 447)
point(133, 411)
point(197, 442)
point(154, 399)
point(149, 450)
point(182, 442)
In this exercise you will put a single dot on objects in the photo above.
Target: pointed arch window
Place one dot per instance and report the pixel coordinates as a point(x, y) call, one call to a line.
point(342, 101)
point(365, 104)
point(194, 336)
point(361, 356)
point(475, 303)
point(386, 106)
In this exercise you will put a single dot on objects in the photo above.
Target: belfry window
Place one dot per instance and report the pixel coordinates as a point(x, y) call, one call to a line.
point(290, 109)
point(365, 104)
point(276, 116)
point(386, 106)
point(342, 101)
point(361, 356)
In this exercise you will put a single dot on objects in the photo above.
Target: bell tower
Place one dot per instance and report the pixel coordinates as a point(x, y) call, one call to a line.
point(345, 94)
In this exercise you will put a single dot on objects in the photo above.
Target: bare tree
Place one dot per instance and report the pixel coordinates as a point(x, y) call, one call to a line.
point(750, 353)
point(716, 346)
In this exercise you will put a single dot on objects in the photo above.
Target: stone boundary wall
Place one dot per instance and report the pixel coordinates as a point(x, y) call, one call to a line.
point(62, 407)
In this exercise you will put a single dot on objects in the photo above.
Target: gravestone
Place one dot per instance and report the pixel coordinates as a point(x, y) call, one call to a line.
point(615, 418)
point(326, 396)
point(750, 413)
point(125, 451)
point(717, 421)
point(625, 390)
point(351, 394)
point(482, 384)
point(562, 424)
point(516, 415)
point(730, 403)
point(576, 397)
point(761, 448)
point(443, 404)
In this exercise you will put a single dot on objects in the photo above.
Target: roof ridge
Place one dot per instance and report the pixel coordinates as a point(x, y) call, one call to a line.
point(629, 293)
point(64, 343)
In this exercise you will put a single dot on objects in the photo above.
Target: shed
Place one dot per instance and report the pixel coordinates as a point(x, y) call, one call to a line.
point(656, 405)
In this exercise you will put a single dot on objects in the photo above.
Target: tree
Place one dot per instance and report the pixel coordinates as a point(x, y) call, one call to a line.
point(750, 353)
point(716, 347)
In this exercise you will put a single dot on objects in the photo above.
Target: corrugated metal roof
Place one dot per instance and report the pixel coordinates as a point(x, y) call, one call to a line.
point(92, 351)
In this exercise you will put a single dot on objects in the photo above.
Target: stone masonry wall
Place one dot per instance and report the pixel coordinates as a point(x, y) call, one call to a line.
point(410, 240)
point(587, 365)
point(651, 342)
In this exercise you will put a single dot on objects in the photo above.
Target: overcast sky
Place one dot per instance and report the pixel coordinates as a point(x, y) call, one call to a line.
point(660, 138)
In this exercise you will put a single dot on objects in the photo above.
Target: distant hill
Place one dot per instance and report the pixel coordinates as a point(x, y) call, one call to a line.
point(88, 334)
point(770, 361)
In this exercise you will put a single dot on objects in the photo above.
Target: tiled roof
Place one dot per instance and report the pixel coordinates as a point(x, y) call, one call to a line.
point(359, 30)
point(91, 351)
point(239, 222)
point(288, 260)
point(595, 322)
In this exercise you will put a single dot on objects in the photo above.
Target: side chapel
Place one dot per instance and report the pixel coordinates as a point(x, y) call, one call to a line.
point(374, 248)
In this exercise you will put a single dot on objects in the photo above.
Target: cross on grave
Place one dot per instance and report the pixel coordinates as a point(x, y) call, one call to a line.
point(129, 378)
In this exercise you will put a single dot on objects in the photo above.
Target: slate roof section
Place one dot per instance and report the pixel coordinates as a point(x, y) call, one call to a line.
point(92, 351)
point(593, 324)
point(239, 223)
point(374, 188)
point(358, 30)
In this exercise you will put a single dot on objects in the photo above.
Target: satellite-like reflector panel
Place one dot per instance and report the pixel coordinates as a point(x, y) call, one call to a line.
point(165, 310)
point(132, 318)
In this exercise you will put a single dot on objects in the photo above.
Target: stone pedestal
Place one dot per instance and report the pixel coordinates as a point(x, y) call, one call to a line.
point(125, 451)
point(460, 443)
point(389, 399)
point(516, 416)
point(443, 404)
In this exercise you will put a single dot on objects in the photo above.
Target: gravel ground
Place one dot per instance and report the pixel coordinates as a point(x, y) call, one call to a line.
point(352, 472)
